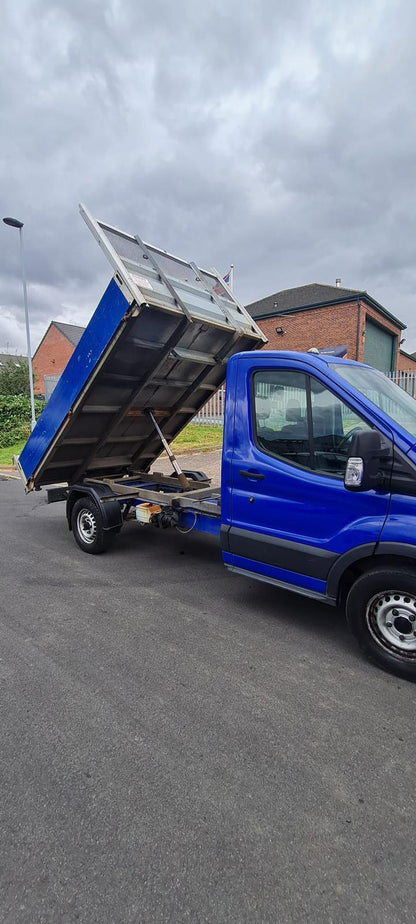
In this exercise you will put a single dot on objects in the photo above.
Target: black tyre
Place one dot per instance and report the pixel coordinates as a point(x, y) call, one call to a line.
point(381, 613)
point(87, 527)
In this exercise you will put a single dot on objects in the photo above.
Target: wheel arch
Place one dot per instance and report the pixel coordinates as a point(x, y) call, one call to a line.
point(110, 510)
point(352, 564)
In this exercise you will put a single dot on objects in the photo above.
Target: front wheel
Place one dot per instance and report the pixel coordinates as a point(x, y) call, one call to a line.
point(381, 613)
point(87, 527)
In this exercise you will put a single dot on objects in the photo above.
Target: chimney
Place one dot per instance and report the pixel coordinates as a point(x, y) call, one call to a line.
point(338, 283)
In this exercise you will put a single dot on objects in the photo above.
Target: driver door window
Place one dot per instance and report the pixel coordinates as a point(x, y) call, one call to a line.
point(281, 415)
point(299, 420)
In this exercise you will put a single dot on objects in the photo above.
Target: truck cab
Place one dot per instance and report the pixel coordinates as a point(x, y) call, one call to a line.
point(295, 513)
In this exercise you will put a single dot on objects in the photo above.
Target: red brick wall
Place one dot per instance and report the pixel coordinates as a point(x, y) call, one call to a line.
point(319, 327)
point(331, 325)
point(51, 357)
point(404, 364)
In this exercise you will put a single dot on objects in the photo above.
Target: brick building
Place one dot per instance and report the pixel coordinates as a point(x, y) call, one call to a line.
point(53, 353)
point(322, 316)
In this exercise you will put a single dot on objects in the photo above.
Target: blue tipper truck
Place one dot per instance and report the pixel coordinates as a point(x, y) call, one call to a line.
point(318, 483)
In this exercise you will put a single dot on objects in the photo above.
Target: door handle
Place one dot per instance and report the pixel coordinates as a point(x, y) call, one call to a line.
point(257, 476)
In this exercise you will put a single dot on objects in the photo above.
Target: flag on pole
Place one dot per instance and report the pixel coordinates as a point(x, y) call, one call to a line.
point(229, 277)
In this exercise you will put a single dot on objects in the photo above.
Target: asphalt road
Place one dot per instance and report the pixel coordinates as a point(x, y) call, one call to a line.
point(180, 744)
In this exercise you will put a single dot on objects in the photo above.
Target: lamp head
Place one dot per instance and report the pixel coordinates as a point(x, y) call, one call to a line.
point(13, 222)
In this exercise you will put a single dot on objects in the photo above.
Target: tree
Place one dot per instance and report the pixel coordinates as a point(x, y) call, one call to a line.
point(15, 417)
point(14, 376)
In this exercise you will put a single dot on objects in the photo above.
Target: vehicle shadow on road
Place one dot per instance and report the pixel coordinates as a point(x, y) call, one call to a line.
point(293, 613)
point(196, 558)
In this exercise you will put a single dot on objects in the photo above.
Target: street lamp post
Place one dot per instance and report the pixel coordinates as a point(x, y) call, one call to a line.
point(15, 223)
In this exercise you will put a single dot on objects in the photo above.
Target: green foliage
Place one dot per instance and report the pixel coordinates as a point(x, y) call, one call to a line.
point(15, 418)
point(14, 376)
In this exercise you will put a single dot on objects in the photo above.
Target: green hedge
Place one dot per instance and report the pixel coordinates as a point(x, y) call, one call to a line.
point(15, 417)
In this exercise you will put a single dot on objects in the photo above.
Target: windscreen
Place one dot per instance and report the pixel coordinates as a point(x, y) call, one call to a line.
point(388, 396)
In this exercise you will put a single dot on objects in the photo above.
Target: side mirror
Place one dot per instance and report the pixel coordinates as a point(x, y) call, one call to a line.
point(365, 468)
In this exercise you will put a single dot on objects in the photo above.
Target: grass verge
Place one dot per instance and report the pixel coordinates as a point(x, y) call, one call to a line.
point(7, 453)
point(198, 438)
point(194, 438)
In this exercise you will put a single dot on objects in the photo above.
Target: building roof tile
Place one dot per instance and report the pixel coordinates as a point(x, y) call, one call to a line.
point(313, 295)
point(72, 332)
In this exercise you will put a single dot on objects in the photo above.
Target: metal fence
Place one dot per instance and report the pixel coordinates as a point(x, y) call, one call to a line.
point(213, 411)
point(406, 380)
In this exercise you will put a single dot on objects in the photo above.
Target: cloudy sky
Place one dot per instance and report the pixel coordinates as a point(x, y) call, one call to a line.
point(278, 135)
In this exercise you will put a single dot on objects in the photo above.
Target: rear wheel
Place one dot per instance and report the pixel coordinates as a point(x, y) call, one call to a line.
point(87, 527)
point(381, 613)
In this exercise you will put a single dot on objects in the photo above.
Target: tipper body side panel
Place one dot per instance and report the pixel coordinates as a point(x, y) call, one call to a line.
point(159, 340)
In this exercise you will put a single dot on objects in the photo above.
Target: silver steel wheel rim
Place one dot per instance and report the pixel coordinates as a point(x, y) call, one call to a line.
point(87, 526)
point(391, 619)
